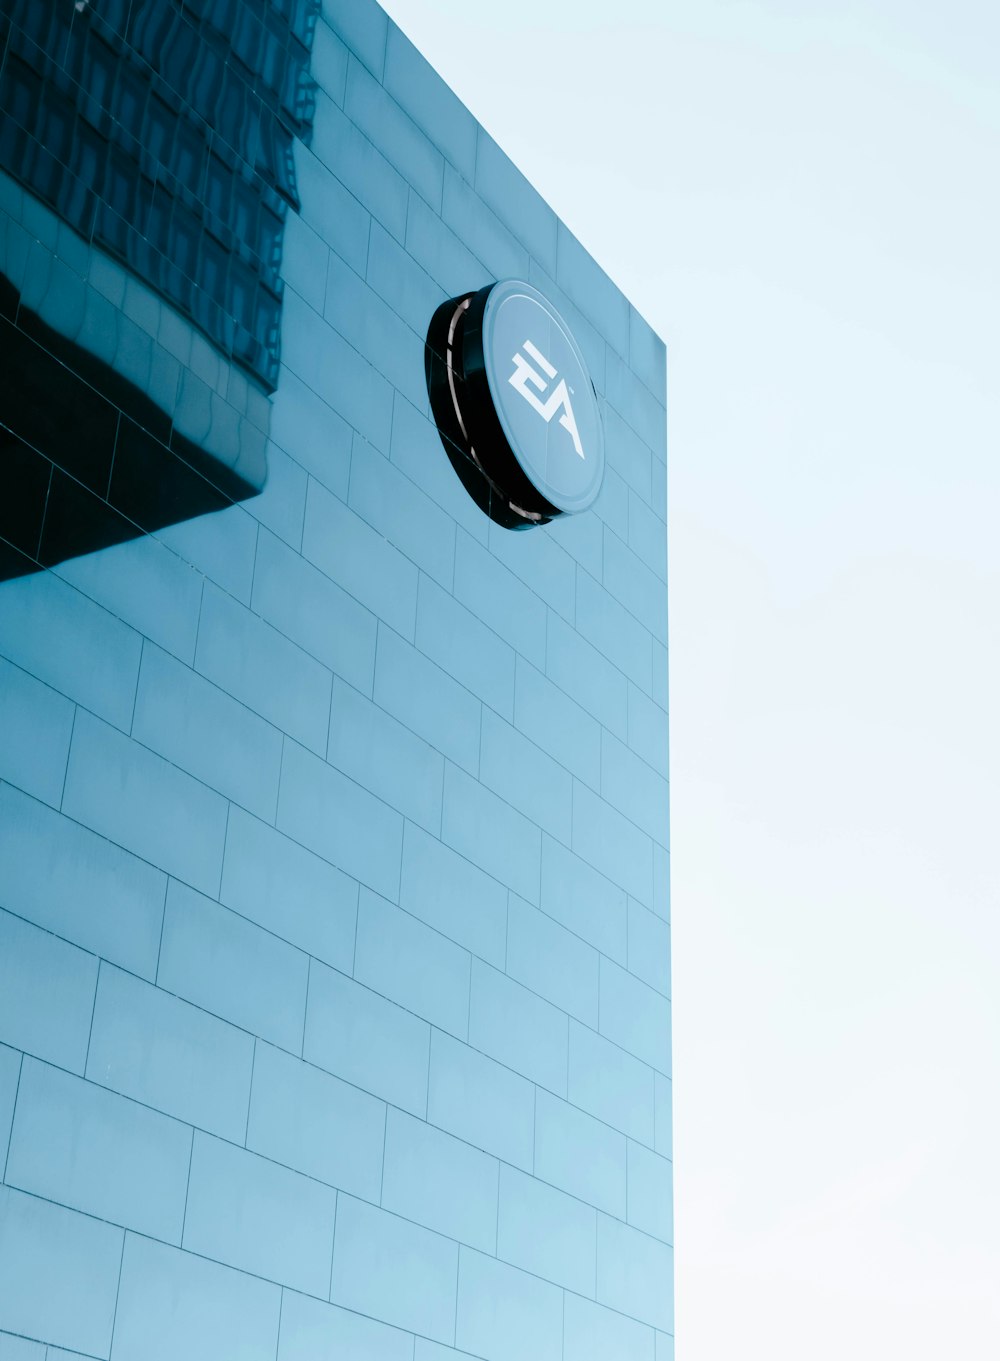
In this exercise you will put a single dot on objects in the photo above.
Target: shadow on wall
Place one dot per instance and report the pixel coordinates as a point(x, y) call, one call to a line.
point(113, 467)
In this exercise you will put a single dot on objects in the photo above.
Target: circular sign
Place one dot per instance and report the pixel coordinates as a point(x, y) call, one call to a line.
point(522, 404)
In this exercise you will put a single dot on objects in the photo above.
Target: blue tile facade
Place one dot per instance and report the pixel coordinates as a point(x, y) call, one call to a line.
point(334, 855)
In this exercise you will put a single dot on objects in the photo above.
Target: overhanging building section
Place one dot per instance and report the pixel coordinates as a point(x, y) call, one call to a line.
point(334, 861)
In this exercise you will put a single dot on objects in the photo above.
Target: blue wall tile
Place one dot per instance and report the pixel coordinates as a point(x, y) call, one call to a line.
point(367, 1040)
point(453, 895)
point(610, 1083)
point(594, 1333)
point(612, 505)
point(630, 396)
point(336, 214)
point(580, 275)
point(337, 1131)
point(635, 1016)
point(82, 1146)
point(363, 26)
point(314, 612)
point(222, 546)
point(487, 831)
point(289, 891)
point(661, 882)
point(613, 631)
point(408, 962)
point(393, 505)
point(510, 195)
point(557, 724)
point(635, 788)
point(385, 757)
point(369, 105)
point(524, 776)
point(582, 537)
point(480, 1101)
point(501, 601)
point(253, 1214)
point(360, 560)
point(649, 947)
point(281, 506)
point(173, 1304)
point(345, 150)
point(34, 737)
point(96, 661)
point(581, 1154)
point(391, 1269)
point(400, 281)
point(576, 667)
point(658, 500)
point(664, 1347)
point(204, 731)
point(647, 356)
point(60, 1274)
point(144, 803)
point(647, 730)
point(329, 64)
point(454, 638)
point(541, 562)
point(590, 339)
point(46, 994)
point(635, 585)
point(220, 961)
point(660, 675)
point(650, 1193)
point(434, 1351)
point(304, 261)
point(546, 1232)
point(634, 1273)
point(414, 83)
point(146, 585)
point(417, 450)
point(441, 253)
point(243, 655)
point(518, 1028)
point(10, 1072)
point(584, 901)
point(484, 234)
point(421, 695)
point(612, 844)
point(313, 1331)
point(340, 821)
point(78, 885)
point(551, 961)
point(336, 372)
point(23, 1349)
point(440, 1182)
point(663, 1094)
point(321, 439)
point(505, 1314)
point(170, 1055)
point(647, 535)
point(376, 331)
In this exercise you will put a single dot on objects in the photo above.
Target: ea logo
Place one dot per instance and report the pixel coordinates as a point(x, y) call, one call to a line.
point(515, 404)
point(524, 375)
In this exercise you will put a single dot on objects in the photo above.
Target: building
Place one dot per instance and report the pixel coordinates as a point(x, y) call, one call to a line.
point(334, 924)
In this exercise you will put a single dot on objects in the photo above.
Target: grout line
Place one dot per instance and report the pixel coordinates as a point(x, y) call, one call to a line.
point(10, 1136)
point(69, 749)
point(187, 1188)
point(93, 1013)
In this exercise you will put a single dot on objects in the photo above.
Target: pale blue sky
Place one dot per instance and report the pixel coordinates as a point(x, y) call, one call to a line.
point(804, 200)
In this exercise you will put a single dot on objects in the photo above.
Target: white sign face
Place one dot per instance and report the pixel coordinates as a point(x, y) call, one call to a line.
point(543, 396)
